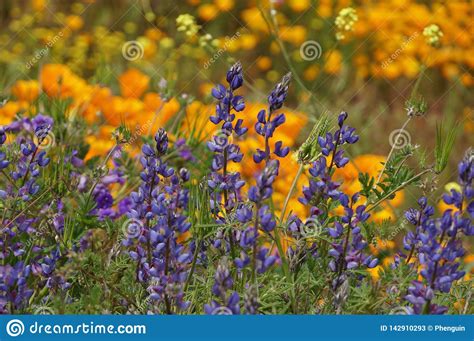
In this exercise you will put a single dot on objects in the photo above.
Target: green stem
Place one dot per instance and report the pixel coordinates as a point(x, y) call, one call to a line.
point(273, 29)
point(193, 265)
point(101, 167)
point(406, 183)
point(10, 179)
point(155, 116)
point(290, 192)
point(254, 255)
point(391, 151)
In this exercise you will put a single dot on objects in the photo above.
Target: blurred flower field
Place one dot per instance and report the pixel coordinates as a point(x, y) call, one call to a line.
point(236, 157)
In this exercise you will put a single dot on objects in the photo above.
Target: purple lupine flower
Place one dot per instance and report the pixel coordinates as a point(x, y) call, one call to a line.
point(224, 185)
point(251, 253)
point(225, 304)
point(102, 197)
point(29, 164)
point(264, 187)
point(74, 160)
point(104, 201)
point(14, 292)
point(440, 246)
point(321, 187)
point(41, 121)
point(4, 163)
point(259, 258)
point(329, 144)
point(3, 136)
point(184, 150)
point(27, 261)
point(279, 93)
point(418, 218)
point(222, 182)
point(348, 247)
point(267, 124)
point(155, 223)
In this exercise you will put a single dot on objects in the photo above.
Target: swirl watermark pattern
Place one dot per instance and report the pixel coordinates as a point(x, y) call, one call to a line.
point(223, 138)
point(45, 141)
point(132, 50)
point(310, 50)
point(222, 311)
point(312, 228)
point(399, 138)
point(132, 228)
point(400, 311)
point(43, 310)
point(15, 328)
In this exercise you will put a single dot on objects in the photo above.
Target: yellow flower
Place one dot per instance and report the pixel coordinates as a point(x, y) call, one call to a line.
point(433, 34)
point(133, 83)
point(311, 72)
point(74, 22)
point(207, 12)
point(9, 110)
point(224, 5)
point(264, 63)
point(345, 21)
point(254, 20)
point(26, 90)
point(38, 5)
point(333, 63)
point(59, 80)
point(100, 145)
point(153, 34)
point(375, 272)
point(294, 34)
point(324, 9)
point(299, 5)
point(248, 41)
point(187, 23)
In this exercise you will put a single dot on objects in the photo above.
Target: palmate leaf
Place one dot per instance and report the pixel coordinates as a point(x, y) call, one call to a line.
point(367, 183)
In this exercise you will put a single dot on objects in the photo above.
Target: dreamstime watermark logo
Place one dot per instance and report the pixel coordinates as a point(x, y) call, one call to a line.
point(44, 51)
point(132, 227)
point(310, 50)
point(221, 50)
point(398, 51)
point(312, 228)
point(399, 138)
point(222, 311)
point(15, 328)
point(132, 50)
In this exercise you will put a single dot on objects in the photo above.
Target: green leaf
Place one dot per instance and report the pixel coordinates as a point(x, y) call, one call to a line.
point(445, 138)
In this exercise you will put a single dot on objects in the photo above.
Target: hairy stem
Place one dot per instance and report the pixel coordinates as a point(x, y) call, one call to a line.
point(391, 151)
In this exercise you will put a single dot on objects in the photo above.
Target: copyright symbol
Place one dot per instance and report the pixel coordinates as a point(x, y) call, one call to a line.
point(430, 328)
